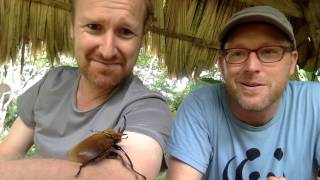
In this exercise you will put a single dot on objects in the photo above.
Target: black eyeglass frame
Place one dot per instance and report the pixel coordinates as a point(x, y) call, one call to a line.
point(224, 52)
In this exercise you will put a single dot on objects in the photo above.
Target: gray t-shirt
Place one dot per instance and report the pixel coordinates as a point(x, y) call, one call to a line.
point(49, 107)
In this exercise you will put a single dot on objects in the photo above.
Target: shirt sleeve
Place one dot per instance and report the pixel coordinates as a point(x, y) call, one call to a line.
point(26, 103)
point(150, 116)
point(189, 141)
point(313, 116)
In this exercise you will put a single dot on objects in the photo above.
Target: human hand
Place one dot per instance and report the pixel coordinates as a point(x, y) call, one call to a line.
point(276, 178)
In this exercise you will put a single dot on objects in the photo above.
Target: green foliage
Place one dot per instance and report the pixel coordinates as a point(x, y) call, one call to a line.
point(2, 135)
point(11, 115)
point(191, 86)
point(31, 152)
point(143, 59)
point(305, 75)
point(161, 176)
point(208, 81)
point(154, 75)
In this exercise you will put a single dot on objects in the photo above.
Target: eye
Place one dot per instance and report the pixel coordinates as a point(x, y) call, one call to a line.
point(271, 51)
point(126, 33)
point(237, 53)
point(94, 28)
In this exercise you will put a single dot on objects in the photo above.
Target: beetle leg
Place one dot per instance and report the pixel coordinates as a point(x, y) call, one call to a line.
point(130, 162)
point(101, 155)
point(124, 136)
point(125, 124)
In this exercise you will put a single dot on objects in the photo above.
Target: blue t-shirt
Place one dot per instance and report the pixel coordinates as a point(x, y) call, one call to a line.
point(208, 137)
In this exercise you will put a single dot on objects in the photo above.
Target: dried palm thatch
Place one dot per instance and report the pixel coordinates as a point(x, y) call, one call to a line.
point(33, 25)
point(183, 32)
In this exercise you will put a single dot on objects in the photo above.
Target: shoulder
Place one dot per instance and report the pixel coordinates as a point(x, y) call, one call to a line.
point(302, 98)
point(62, 75)
point(203, 103)
point(303, 87)
point(212, 93)
point(302, 102)
point(303, 84)
point(56, 79)
point(63, 72)
point(53, 79)
point(137, 90)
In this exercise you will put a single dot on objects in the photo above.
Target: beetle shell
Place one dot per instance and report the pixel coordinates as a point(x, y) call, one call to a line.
point(94, 145)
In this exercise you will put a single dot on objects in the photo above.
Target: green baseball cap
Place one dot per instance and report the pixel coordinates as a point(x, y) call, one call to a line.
point(265, 14)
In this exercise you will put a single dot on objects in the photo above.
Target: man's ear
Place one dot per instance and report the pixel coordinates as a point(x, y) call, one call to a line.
point(294, 61)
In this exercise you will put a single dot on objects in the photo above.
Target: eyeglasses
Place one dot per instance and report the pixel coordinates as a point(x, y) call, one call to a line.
point(267, 54)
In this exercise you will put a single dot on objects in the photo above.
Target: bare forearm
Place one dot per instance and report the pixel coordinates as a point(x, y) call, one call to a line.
point(5, 155)
point(38, 169)
point(180, 170)
point(8, 157)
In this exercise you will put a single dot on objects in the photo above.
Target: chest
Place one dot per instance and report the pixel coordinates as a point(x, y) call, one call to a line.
point(280, 149)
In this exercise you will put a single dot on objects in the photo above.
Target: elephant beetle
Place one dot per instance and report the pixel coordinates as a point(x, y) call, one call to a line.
point(100, 145)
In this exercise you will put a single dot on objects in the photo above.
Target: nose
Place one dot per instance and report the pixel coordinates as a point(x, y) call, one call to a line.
point(107, 46)
point(252, 63)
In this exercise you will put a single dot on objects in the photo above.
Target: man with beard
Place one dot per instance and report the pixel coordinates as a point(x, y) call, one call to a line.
point(69, 104)
point(257, 124)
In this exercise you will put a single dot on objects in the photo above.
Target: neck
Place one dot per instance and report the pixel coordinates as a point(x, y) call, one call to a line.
point(89, 95)
point(254, 118)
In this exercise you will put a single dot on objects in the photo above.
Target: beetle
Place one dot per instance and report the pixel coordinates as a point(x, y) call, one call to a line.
point(100, 145)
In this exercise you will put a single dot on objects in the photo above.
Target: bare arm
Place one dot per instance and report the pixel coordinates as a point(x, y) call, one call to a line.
point(17, 142)
point(179, 170)
point(276, 178)
point(144, 152)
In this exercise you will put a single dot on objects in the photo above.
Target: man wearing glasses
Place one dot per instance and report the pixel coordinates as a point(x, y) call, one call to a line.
point(257, 124)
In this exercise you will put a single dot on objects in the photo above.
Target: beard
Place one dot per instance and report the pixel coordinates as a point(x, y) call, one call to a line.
point(260, 105)
point(255, 102)
point(103, 77)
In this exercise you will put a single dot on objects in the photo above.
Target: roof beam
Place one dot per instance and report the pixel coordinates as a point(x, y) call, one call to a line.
point(194, 40)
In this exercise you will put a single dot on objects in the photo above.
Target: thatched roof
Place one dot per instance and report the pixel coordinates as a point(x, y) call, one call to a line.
point(183, 33)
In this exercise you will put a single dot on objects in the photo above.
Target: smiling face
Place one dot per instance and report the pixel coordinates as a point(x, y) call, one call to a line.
point(253, 85)
point(107, 38)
